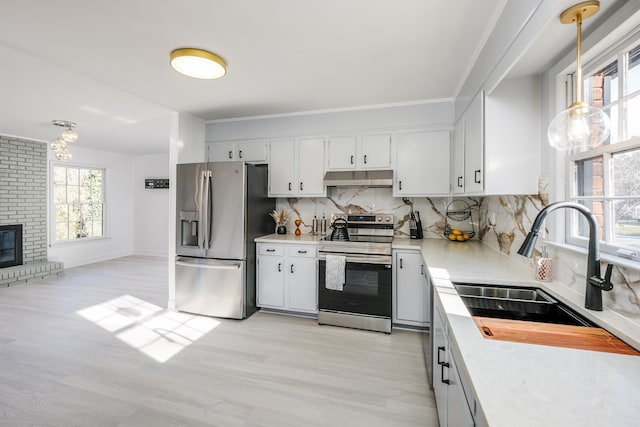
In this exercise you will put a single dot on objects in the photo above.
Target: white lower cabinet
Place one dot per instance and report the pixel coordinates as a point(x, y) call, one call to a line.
point(287, 277)
point(410, 289)
point(454, 409)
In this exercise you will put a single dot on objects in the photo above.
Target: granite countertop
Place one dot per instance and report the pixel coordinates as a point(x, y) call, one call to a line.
point(518, 384)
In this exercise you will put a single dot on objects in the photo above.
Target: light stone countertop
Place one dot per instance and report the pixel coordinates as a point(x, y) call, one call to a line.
point(303, 239)
point(525, 384)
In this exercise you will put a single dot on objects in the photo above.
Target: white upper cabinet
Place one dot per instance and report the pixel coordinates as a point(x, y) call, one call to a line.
point(474, 140)
point(457, 157)
point(422, 164)
point(296, 167)
point(248, 151)
point(502, 135)
point(365, 152)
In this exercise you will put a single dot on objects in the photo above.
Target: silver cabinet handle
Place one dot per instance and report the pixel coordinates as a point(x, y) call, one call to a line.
point(300, 185)
point(460, 182)
point(401, 263)
point(352, 159)
point(271, 250)
point(230, 154)
point(399, 185)
point(279, 266)
point(422, 269)
point(289, 186)
point(476, 178)
point(302, 252)
point(291, 268)
point(240, 154)
point(365, 159)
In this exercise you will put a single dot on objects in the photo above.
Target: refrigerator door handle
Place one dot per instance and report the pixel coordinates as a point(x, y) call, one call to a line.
point(201, 210)
point(210, 266)
point(205, 210)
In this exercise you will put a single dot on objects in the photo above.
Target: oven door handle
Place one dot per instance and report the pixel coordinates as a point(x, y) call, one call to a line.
point(362, 259)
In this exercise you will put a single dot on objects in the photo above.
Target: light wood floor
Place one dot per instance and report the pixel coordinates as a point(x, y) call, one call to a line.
point(59, 368)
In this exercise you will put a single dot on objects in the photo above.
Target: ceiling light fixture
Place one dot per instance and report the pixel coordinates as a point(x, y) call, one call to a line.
point(581, 125)
point(198, 63)
point(68, 135)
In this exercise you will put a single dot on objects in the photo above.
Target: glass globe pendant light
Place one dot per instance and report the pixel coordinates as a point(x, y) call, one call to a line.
point(69, 135)
point(58, 144)
point(581, 125)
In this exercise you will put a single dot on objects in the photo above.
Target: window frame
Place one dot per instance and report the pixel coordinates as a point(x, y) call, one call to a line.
point(616, 52)
point(52, 205)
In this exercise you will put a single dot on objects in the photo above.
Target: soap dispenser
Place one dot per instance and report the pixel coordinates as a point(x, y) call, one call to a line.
point(544, 266)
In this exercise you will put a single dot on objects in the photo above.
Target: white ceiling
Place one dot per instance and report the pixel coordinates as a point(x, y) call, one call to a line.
point(104, 65)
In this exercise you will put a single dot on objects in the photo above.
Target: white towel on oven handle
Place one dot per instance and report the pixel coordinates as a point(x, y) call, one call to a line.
point(334, 272)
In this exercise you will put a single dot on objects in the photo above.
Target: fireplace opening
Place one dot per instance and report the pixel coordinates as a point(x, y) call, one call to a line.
point(10, 245)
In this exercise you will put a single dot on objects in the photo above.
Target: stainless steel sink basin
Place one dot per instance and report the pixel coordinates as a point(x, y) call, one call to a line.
point(516, 303)
point(526, 300)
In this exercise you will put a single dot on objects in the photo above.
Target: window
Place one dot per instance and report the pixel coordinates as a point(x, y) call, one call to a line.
point(78, 202)
point(606, 179)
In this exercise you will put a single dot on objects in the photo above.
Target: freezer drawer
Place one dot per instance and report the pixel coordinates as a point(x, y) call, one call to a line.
point(211, 287)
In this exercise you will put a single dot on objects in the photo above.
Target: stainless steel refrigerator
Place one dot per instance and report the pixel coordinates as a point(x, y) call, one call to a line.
point(221, 208)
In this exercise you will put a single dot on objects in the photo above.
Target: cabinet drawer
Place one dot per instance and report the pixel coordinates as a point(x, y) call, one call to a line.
point(267, 249)
point(307, 251)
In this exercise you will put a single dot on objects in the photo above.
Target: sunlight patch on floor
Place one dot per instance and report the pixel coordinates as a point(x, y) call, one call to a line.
point(157, 332)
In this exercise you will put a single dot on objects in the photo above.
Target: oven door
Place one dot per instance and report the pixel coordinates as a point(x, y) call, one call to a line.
point(367, 287)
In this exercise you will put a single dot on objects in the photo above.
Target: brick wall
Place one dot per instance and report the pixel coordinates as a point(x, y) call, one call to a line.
point(23, 192)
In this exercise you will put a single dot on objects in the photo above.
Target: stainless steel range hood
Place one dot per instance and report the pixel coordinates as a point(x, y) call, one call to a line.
point(376, 178)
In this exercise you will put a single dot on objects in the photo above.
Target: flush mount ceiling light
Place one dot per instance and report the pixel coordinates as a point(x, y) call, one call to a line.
point(581, 125)
point(198, 63)
point(68, 135)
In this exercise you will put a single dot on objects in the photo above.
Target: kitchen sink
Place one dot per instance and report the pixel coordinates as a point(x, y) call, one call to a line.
point(530, 315)
point(517, 303)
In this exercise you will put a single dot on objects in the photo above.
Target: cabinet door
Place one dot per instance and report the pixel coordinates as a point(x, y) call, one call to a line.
point(341, 153)
point(439, 361)
point(422, 164)
point(474, 145)
point(375, 152)
point(252, 151)
point(458, 412)
point(457, 157)
point(221, 152)
point(303, 289)
point(271, 281)
point(282, 163)
point(410, 288)
point(311, 167)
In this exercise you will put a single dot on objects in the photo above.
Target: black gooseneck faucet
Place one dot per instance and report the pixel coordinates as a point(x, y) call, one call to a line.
point(595, 284)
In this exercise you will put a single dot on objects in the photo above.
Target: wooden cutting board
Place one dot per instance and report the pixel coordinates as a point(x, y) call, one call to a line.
point(579, 337)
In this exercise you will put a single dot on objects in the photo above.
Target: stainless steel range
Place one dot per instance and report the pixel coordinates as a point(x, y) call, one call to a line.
point(355, 275)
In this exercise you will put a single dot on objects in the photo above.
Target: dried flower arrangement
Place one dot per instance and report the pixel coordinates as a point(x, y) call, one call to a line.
point(280, 217)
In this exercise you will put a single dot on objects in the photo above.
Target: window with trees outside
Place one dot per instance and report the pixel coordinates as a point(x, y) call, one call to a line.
point(606, 178)
point(78, 202)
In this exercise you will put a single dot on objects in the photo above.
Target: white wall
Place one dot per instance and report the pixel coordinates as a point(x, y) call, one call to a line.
point(436, 115)
point(119, 218)
point(151, 207)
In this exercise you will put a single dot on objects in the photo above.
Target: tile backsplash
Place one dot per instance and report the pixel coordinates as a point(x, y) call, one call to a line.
point(379, 200)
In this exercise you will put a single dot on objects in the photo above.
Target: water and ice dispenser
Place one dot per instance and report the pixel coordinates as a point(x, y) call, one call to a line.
point(188, 228)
